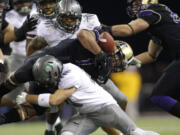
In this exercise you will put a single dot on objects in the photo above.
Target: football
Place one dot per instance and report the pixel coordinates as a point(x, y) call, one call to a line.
point(106, 42)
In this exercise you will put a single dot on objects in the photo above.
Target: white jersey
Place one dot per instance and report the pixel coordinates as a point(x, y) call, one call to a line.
point(15, 19)
point(53, 35)
point(89, 96)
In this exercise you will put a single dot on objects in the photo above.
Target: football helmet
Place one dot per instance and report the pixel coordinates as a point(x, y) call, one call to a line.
point(134, 6)
point(47, 71)
point(122, 57)
point(23, 7)
point(68, 13)
point(46, 8)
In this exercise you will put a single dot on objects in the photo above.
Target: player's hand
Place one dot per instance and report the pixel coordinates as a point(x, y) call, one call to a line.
point(20, 99)
point(103, 28)
point(106, 28)
point(104, 67)
point(28, 25)
point(135, 62)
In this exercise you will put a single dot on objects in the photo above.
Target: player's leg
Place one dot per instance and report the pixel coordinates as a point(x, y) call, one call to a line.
point(120, 97)
point(114, 116)
point(166, 91)
point(79, 125)
point(111, 131)
point(20, 113)
point(53, 121)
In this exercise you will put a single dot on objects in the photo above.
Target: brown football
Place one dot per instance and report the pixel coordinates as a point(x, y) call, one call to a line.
point(106, 42)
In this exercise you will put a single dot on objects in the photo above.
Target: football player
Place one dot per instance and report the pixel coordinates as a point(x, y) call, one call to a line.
point(45, 12)
point(65, 52)
point(67, 24)
point(9, 33)
point(163, 25)
point(16, 17)
point(68, 82)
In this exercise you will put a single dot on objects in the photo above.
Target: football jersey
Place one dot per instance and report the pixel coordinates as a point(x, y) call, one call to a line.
point(53, 35)
point(89, 96)
point(164, 26)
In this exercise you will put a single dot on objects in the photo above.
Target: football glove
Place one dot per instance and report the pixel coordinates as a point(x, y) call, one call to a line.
point(104, 66)
point(20, 99)
point(28, 25)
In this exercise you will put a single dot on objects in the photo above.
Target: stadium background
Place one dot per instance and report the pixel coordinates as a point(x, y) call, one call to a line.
point(151, 117)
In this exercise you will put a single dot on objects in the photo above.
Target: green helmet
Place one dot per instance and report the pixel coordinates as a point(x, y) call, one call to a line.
point(47, 71)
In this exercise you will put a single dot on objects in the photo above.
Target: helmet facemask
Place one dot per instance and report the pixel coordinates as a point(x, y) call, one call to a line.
point(68, 23)
point(68, 15)
point(46, 8)
point(23, 7)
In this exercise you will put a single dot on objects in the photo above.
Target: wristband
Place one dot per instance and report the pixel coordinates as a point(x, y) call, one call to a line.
point(43, 100)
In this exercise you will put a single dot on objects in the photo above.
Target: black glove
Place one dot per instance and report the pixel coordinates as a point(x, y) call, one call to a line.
point(104, 66)
point(105, 28)
point(28, 25)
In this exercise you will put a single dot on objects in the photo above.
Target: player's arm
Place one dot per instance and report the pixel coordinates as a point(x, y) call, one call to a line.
point(35, 44)
point(10, 33)
point(124, 30)
point(88, 41)
point(47, 99)
point(151, 55)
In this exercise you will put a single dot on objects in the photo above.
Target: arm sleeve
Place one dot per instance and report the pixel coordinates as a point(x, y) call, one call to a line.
point(150, 16)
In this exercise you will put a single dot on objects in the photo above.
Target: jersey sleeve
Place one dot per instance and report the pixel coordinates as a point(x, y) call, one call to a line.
point(89, 21)
point(150, 16)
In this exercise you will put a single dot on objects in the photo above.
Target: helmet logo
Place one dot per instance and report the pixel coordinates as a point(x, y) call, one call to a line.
point(48, 68)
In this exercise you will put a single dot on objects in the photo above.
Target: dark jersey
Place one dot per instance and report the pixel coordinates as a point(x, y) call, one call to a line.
point(69, 50)
point(164, 26)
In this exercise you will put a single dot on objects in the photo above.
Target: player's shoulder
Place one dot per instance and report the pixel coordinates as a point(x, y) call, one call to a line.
point(70, 71)
point(69, 67)
point(89, 16)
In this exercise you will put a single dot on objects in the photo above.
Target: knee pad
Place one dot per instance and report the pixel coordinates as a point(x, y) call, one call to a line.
point(67, 133)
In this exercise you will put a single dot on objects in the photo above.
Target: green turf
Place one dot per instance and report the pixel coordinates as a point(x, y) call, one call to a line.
point(163, 125)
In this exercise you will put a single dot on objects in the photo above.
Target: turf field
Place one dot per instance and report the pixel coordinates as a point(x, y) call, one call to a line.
point(165, 125)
